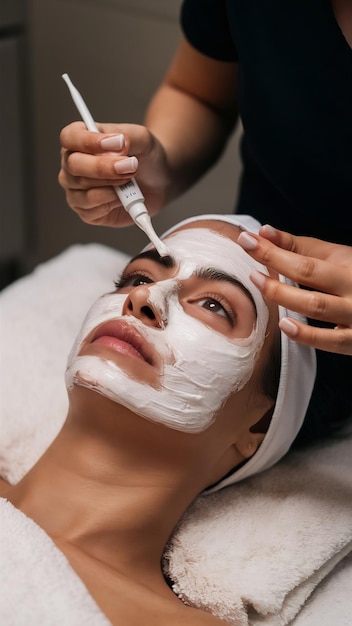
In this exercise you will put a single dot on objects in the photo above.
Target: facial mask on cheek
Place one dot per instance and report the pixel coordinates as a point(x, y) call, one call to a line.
point(201, 367)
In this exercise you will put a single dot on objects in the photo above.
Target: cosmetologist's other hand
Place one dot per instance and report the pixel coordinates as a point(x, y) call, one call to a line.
point(326, 268)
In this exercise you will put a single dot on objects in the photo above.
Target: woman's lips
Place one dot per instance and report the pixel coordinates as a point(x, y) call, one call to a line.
point(124, 339)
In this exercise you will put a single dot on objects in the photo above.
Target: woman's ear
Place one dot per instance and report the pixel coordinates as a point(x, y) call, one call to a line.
point(244, 446)
point(249, 443)
point(250, 440)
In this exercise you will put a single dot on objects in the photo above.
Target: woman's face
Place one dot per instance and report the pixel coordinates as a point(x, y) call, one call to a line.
point(180, 334)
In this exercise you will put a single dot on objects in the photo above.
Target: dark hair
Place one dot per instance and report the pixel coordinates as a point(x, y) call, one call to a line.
point(330, 407)
point(271, 374)
point(269, 383)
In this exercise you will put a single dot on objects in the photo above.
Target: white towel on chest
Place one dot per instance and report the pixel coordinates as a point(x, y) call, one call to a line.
point(38, 587)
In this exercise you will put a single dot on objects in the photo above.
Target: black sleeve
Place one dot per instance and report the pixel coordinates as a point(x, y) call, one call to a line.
point(205, 25)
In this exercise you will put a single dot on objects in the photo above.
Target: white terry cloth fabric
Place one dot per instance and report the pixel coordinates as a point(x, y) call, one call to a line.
point(331, 602)
point(40, 316)
point(251, 553)
point(270, 541)
point(38, 587)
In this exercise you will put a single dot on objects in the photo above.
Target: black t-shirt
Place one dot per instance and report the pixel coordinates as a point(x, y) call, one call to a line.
point(295, 103)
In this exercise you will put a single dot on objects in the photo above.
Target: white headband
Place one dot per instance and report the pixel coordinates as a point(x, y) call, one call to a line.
point(297, 377)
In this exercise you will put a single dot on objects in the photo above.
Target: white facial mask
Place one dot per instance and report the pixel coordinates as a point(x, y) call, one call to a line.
point(201, 367)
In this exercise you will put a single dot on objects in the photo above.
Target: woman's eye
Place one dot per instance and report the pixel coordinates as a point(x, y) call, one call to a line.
point(134, 280)
point(214, 306)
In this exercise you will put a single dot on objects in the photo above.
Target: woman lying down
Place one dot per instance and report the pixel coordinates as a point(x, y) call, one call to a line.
point(178, 383)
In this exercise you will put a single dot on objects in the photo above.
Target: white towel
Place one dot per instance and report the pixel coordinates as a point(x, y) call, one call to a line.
point(268, 542)
point(38, 587)
point(330, 603)
point(251, 554)
point(40, 316)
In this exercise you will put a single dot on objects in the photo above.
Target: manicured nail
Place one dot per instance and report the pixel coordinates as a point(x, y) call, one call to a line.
point(116, 142)
point(269, 230)
point(288, 327)
point(126, 166)
point(247, 241)
point(258, 279)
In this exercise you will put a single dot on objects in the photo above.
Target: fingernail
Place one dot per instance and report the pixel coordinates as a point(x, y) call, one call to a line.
point(247, 241)
point(126, 166)
point(258, 279)
point(288, 327)
point(113, 143)
point(269, 230)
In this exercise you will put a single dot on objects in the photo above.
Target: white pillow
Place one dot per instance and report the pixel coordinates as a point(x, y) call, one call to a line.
point(40, 316)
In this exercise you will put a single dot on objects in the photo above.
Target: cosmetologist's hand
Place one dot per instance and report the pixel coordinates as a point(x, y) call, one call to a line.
point(92, 163)
point(324, 267)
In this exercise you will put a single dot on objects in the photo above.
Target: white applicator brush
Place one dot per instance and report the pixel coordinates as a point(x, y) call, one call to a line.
point(129, 194)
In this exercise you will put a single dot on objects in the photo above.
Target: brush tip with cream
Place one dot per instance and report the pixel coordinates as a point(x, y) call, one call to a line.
point(144, 222)
point(139, 214)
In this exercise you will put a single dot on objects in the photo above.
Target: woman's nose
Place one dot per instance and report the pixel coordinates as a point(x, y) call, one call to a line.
point(140, 304)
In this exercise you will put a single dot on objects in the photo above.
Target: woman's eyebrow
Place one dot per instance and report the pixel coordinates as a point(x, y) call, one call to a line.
point(211, 273)
point(153, 255)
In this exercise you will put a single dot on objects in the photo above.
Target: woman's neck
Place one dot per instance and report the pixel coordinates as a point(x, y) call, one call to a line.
point(102, 488)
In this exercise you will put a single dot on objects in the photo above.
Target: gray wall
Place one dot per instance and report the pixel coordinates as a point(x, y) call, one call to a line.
point(116, 52)
point(12, 140)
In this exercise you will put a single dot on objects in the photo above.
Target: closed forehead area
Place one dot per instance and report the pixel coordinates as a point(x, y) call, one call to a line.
point(207, 243)
point(219, 226)
point(208, 249)
point(232, 232)
point(199, 252)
